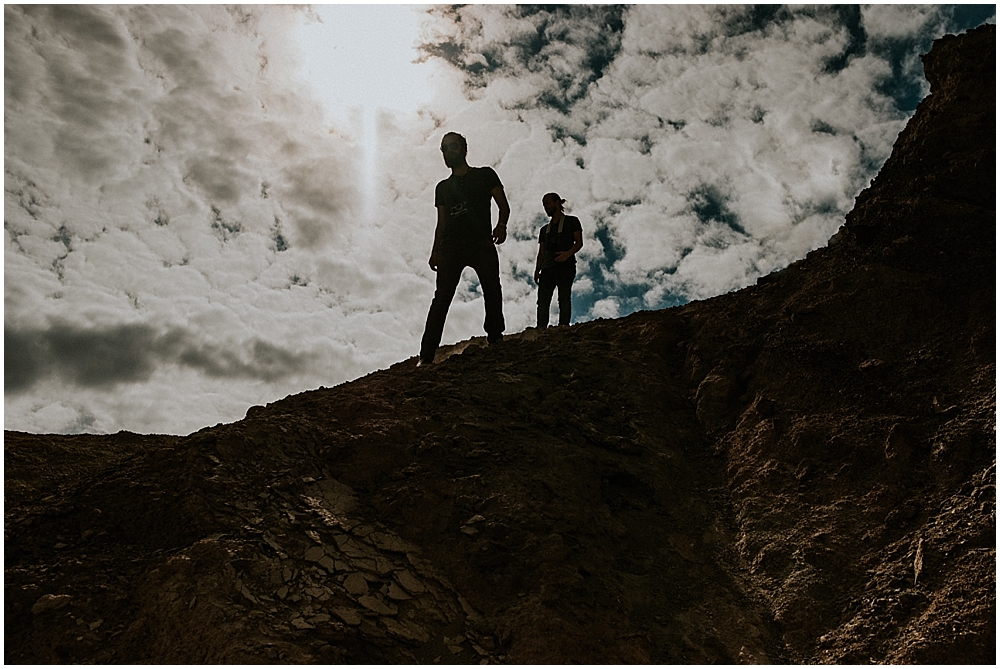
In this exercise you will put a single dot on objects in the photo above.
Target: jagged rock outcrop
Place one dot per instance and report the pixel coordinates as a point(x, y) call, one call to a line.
point(801, 471)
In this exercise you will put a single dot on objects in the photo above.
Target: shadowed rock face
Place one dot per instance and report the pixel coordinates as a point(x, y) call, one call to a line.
point(801, 471)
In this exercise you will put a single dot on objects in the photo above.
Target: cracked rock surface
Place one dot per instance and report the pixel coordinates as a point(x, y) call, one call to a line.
point(801, 471)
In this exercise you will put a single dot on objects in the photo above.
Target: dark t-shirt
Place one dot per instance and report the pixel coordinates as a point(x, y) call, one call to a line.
point(557, 242)
point(466, 201)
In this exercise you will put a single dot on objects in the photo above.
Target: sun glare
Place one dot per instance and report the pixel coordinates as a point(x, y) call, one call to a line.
point(359, 59)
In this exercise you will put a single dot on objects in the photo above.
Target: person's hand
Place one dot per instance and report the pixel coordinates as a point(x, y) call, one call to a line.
point(538, 275)
point(499, 234)
point(433, 262)
point(563, 256)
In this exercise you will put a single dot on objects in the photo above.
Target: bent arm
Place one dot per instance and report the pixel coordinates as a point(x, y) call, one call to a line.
point(500, 231)
point(577, 245)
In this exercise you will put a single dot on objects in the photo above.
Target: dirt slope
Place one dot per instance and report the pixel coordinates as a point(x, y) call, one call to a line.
point(801, 471)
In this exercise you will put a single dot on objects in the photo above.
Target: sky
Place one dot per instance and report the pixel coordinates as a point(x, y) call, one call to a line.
point(208, 208)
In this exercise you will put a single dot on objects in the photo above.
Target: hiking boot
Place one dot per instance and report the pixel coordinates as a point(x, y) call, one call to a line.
point(494, 338)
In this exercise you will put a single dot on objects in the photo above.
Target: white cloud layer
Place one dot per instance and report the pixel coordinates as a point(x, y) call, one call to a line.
point(186, 235)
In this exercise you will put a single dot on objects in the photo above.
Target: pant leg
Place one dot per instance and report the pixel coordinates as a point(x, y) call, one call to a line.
point(449, 273)
point(546, 286)
point(565, 284)
point(486, 263)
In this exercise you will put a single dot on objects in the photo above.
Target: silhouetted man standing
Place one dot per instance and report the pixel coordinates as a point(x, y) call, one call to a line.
point(555, 266)
point(463, 239)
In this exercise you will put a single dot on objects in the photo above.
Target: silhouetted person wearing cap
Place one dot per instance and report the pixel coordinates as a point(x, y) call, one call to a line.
point(463, 239)
point(555, 266)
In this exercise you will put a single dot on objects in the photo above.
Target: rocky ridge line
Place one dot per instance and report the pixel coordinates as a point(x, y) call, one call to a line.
point(802, 471)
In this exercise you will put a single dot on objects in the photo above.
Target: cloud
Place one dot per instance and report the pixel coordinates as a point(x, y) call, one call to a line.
point(168, 189)
point(702, 146)
point(106, 357)
point(566, 47)
point(187, 233)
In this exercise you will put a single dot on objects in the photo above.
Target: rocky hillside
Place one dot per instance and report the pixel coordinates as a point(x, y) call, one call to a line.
point(801, 471)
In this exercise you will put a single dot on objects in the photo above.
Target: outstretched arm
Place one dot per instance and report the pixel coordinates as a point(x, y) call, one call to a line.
point(500, 231)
